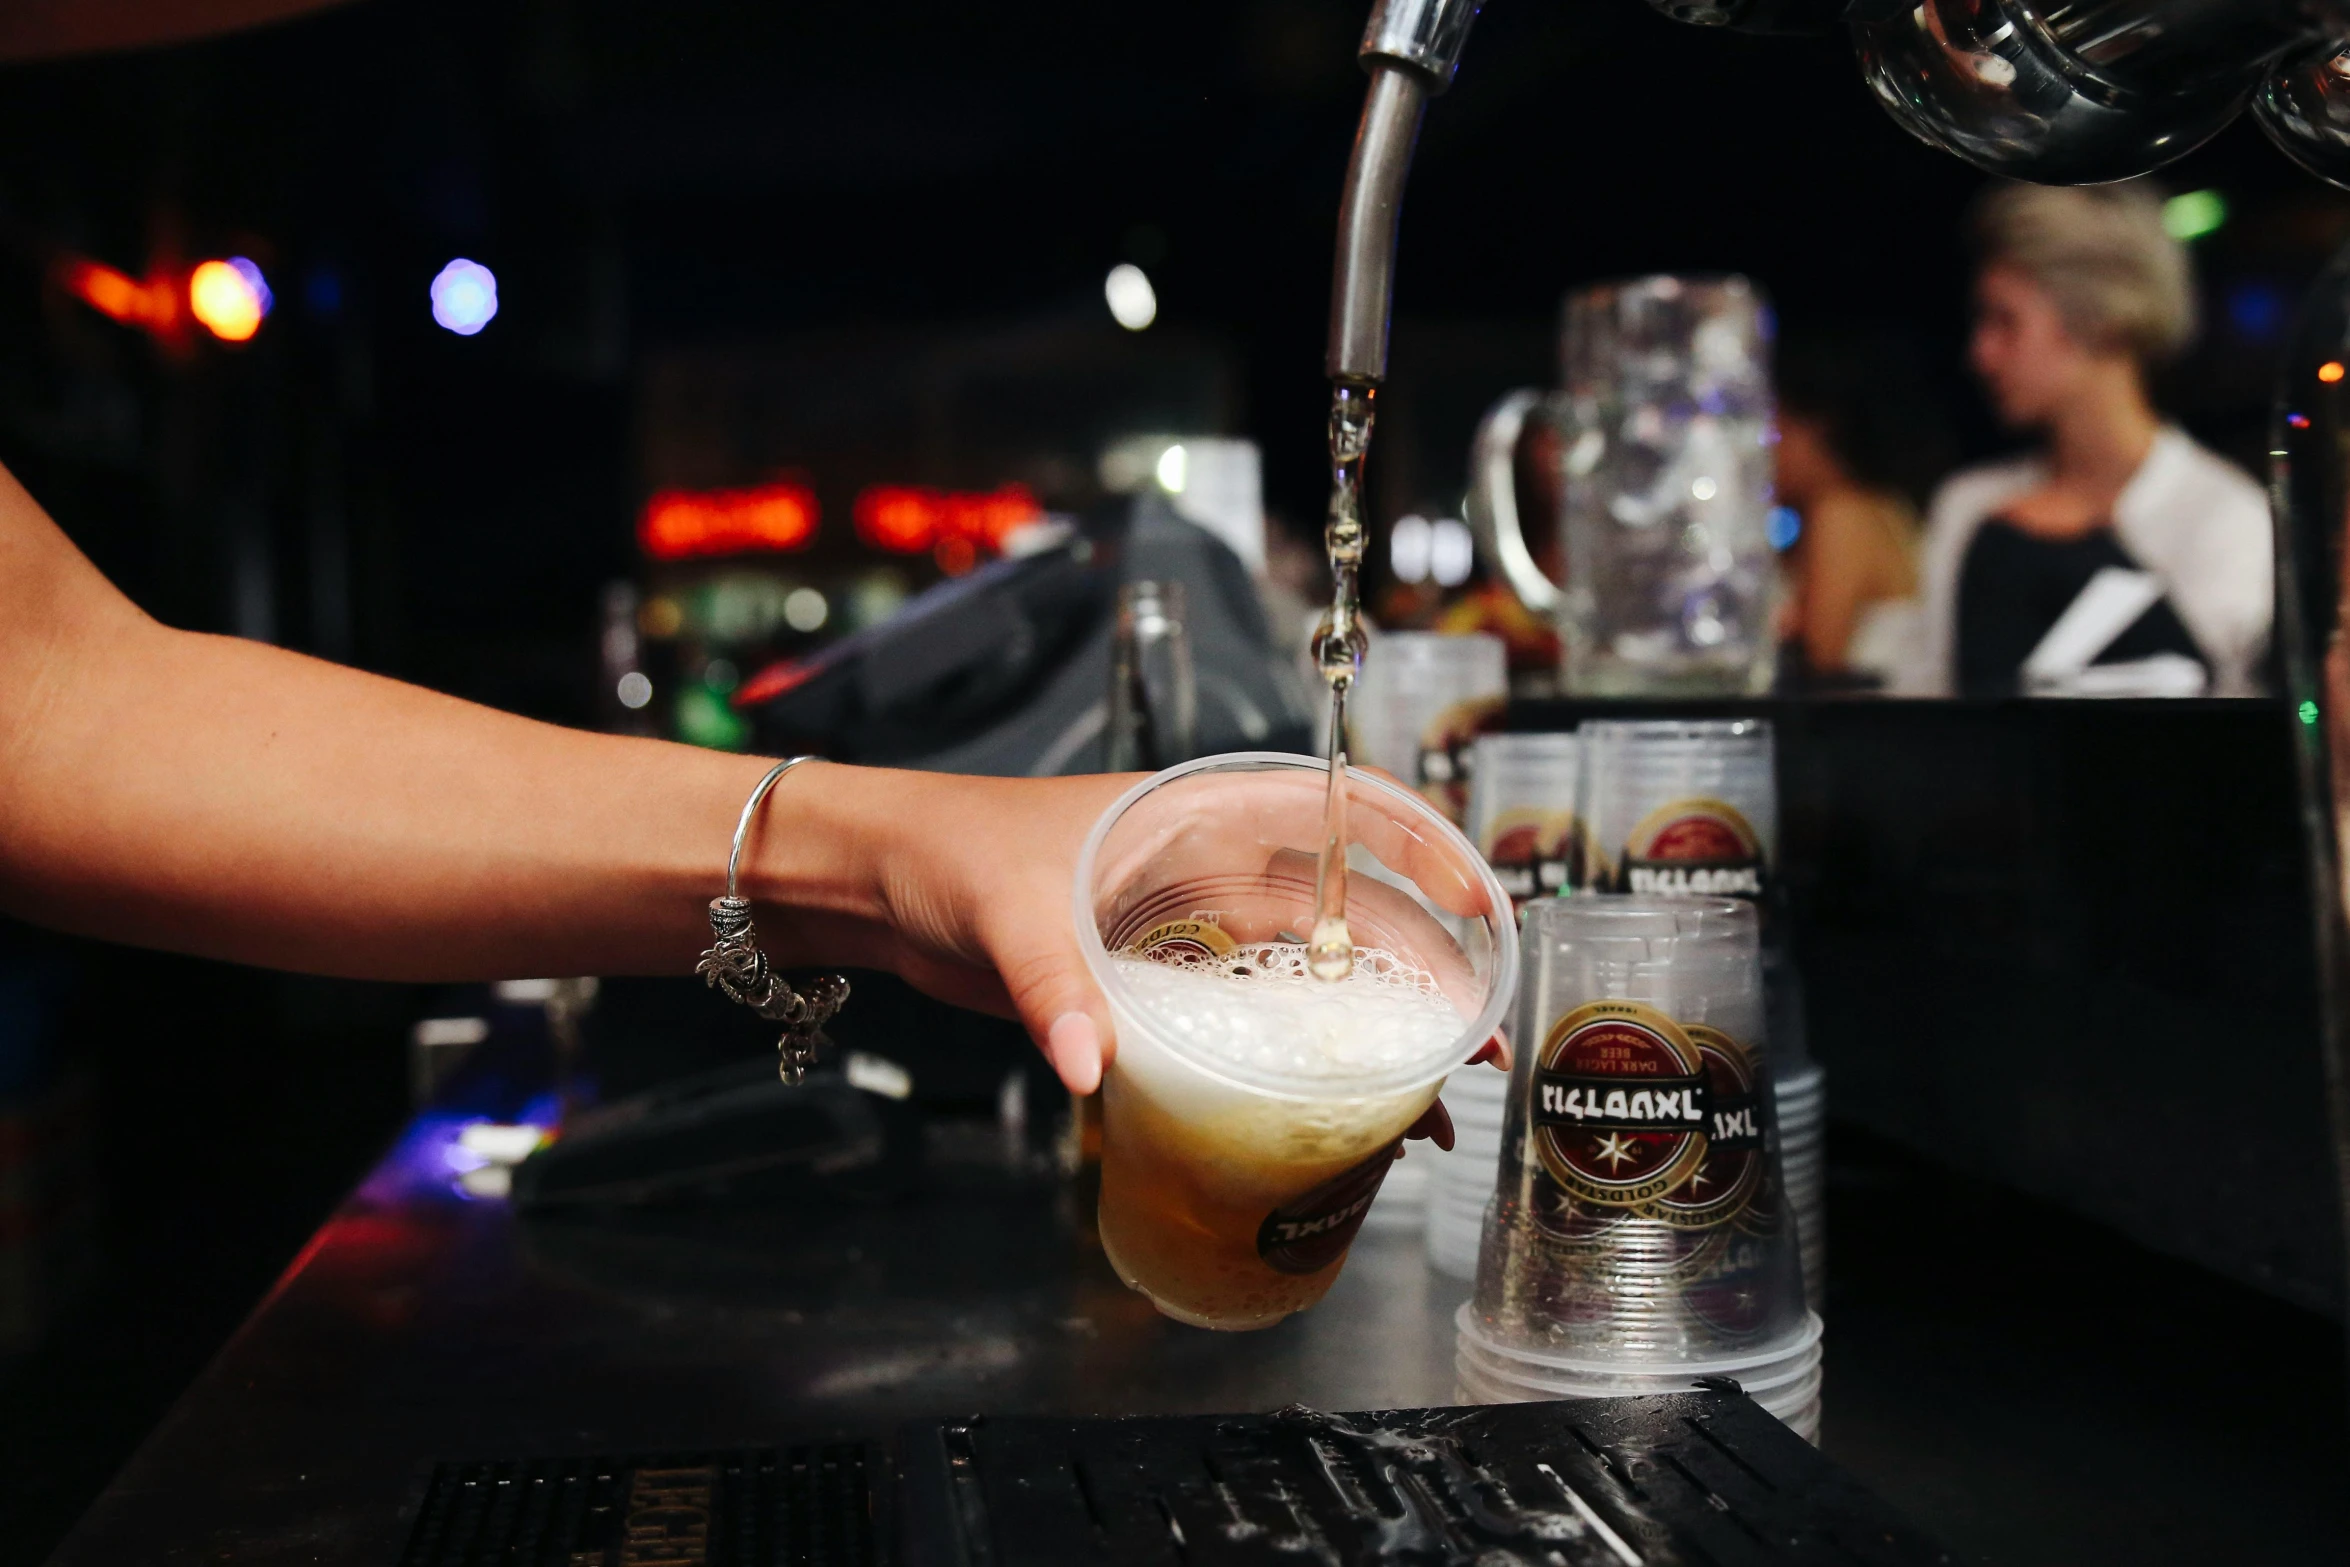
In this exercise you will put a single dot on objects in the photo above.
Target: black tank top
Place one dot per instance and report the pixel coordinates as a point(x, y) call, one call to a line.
point(2014, 585)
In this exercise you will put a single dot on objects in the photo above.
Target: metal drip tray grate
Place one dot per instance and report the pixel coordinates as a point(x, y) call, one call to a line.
point(746, 1507)
point(1706, 1479)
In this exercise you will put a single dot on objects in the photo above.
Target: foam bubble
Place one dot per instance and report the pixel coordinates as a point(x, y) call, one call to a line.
point(1259, 1008)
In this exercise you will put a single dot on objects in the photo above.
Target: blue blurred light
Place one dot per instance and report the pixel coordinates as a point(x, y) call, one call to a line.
point(464, 296)
point(1785, 527)
point(2256, 310)
point(322, 291)
point(251, 273)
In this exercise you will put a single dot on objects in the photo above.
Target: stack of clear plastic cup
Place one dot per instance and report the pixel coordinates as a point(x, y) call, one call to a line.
point(1421, 702)
point(1638, 1236)
point(1787, 1384)
point(1690, 808)
point(1680, 808)
point(1460, 1183)
point(1522, 796)
point(1522, 791)
point(1803, 1163)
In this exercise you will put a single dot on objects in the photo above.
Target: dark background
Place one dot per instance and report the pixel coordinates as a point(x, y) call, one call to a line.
point(652, 182)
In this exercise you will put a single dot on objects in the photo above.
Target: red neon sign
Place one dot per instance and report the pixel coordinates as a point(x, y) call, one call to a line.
point(684, 524)
point(907, 520)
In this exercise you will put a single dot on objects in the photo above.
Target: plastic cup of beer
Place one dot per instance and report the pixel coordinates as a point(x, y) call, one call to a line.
point(1252, 1109)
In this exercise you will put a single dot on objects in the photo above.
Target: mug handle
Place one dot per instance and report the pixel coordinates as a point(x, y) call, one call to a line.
point(1493, 499)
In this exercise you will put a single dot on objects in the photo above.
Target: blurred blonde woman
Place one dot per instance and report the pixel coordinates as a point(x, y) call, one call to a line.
point(2078, 294)
point(1861, 445)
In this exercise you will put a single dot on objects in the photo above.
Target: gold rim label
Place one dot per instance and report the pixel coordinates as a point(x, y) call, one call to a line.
point(1621, 1100)
point(1443, 762)
point(1533, 851)
point(1697, 847)
point(1731, 1169)
point(1182, 938)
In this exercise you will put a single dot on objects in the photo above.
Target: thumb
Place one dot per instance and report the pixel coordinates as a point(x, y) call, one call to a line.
point(1061, 1007)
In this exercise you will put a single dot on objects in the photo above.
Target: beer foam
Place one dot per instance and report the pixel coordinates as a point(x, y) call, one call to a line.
point(1259, 1009)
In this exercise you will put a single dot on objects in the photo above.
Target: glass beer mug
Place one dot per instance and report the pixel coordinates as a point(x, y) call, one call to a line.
point(1663, 459)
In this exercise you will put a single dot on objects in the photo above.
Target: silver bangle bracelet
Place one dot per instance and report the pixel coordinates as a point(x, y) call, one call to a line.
point(736, 968)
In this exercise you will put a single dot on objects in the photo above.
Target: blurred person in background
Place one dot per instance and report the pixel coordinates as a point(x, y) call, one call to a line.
point(2079, 293)
point(1861, 444)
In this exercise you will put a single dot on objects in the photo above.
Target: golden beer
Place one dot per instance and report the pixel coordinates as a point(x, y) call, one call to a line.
point(1236, 1219)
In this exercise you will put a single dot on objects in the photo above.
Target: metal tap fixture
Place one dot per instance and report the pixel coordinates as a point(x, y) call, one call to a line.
point(1410, 49)
point(1154, 706)
point(2056, 91)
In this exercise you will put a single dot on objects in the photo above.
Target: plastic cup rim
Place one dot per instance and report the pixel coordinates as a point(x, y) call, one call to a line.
point(1465, 1321)
point(1781, 1373)
point(1501, 988)
point(1533, 744)
point(1469, 1380)
point(1677, 728)
point(1776, 1397)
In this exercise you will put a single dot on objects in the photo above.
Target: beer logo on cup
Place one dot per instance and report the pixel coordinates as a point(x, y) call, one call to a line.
point(1532, 851)
point(1307, 1234)
point(1730, 1170)
point(1622, 1104)
point(1443, 762)
point(1695, 847)
point(1175, 940)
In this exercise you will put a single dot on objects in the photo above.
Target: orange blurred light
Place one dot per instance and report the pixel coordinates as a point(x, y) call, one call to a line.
point(225, 301)
point(907, 520)
point(2330, 372)
point(120, 297)
point(683, 524)
point(955, 556)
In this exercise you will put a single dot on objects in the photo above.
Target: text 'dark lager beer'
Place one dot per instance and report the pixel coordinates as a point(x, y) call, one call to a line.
point(1252, 1110)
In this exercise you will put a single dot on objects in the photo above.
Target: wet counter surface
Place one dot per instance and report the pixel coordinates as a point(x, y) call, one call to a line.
point(420, 1326)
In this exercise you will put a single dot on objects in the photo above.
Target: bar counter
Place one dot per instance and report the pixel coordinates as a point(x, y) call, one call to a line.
point(421, 1325)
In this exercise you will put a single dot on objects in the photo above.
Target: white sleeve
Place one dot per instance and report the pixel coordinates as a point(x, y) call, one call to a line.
point(2224, 581)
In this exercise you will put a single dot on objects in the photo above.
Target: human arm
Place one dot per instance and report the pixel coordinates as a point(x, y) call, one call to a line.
point(208, 795)
point(1843, 571)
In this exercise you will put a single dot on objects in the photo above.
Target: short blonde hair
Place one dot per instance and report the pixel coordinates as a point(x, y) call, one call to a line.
point(2102, 253)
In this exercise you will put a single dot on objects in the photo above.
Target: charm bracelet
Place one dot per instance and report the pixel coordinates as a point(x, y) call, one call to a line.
point(737, 969)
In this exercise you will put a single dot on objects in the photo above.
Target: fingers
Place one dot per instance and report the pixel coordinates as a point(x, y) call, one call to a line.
point(1497, 1051)
point(1073, 1044)
point(1435, 1124)
point(1059, 1005)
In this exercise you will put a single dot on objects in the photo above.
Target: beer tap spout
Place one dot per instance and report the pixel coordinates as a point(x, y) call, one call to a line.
point(1410, 49)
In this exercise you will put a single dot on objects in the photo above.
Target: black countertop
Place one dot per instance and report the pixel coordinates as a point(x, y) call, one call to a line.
point(2025, 1386)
